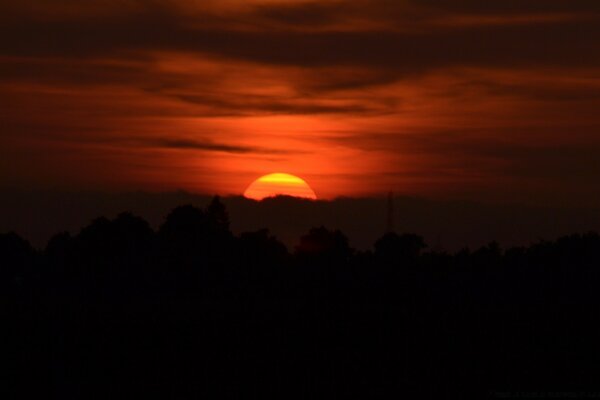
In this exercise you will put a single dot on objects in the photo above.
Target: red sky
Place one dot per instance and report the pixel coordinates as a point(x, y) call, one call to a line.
point(438, 98)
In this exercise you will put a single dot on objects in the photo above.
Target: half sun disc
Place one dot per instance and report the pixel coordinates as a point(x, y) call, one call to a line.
point(279, 184)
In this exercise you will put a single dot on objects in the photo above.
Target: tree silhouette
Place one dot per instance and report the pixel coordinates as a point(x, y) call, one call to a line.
point(217, 215)
point(262, 249)
point(395, 249)
point(16, 255)
point(194, 311)
point(323, 244)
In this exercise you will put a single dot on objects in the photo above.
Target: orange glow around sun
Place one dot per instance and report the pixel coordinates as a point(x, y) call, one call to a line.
point(278, 184)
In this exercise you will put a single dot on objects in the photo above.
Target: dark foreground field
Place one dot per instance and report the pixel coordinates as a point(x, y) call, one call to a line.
point(192, 311)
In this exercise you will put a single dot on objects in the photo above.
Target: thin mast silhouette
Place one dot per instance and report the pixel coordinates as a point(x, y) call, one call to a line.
point(390, 213)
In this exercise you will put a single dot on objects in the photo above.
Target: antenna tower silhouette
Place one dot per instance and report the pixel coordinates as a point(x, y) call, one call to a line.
point(390, 213)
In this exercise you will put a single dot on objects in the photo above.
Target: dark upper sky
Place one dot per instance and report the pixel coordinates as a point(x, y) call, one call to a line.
point(486, 100)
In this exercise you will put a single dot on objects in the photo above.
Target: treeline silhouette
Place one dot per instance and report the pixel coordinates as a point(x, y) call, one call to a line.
point(191, 310)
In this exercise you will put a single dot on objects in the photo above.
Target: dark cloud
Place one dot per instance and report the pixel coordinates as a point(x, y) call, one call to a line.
point(548, 93)
point(510, 6)
point(570, 42)
point(248, 105)
point(485, 154)
point(305, 14)
point(72, 72)
point(414, 53)
point(402, 44)
point(188, 144)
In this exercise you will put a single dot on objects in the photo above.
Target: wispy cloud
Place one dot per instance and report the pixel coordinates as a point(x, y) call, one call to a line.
point(188, 144)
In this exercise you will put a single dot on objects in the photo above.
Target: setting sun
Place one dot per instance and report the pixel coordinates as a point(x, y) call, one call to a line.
point(278, 184)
